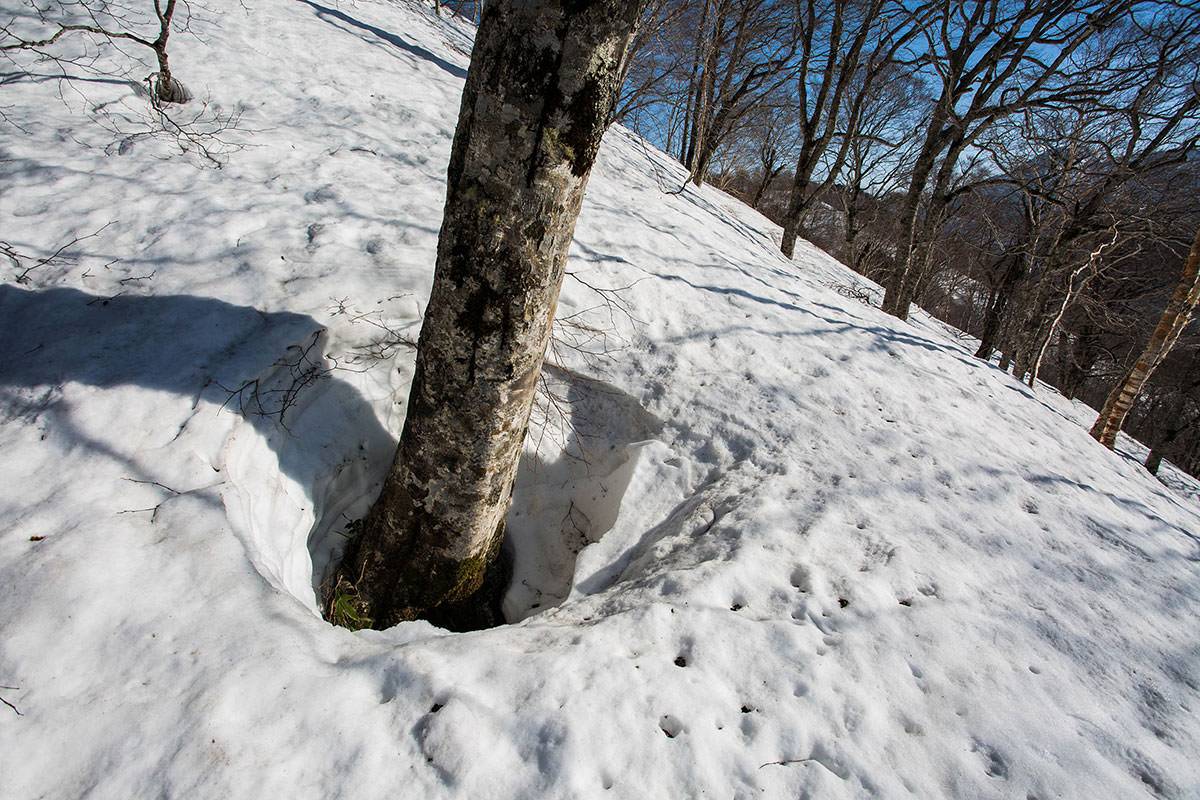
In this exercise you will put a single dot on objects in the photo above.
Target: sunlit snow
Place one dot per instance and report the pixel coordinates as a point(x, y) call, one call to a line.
point(768, 541)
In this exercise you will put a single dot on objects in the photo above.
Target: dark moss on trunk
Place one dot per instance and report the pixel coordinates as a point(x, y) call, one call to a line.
point(540, 91)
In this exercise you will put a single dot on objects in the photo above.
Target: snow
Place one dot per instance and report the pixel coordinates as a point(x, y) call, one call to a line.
point(768, 541)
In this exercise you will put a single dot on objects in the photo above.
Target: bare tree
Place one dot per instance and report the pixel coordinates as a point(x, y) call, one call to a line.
point(118, 23)
point(743, 51)
point(846, 48)
point(991, 59)
point(1087, 175)
point(540, 91)
point(1173, 411)
point(756, 152)
point(772, 145)
point(656, 59)
point(877, 163)
point(1175, 317)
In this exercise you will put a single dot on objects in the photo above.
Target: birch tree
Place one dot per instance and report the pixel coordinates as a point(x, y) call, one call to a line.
point(1175, 317)
point(540, 91)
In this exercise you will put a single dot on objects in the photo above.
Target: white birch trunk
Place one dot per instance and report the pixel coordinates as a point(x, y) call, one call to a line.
point(1174, 319)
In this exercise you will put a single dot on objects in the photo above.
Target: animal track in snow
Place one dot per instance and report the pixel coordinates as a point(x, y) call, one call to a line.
point(670, 726)
point(801, 579)
point(994, 763)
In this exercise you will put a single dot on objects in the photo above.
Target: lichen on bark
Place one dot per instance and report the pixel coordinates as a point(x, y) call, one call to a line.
point(539, 94)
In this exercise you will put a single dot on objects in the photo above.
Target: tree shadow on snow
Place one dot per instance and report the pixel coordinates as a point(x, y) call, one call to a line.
point(326, 439)
point(334, 17)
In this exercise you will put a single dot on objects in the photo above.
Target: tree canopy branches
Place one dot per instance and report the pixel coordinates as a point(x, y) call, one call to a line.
point(1026, 169)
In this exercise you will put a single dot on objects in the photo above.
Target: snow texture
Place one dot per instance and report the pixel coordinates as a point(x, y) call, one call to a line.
point(768, 541)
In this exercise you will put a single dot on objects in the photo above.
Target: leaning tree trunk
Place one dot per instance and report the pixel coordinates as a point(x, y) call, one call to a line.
point(1175, 317)
point(897, 286)
point(768, 176)
point(998, 307)
point(539, 94)
point(687, 145)
point(1084, 272)
point(800, 199)
point(1176, 423)
point(1080, 358)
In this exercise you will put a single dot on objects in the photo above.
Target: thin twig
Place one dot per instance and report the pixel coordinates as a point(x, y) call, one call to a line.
point(787, 761)
point(159, 485)
point(105, 300)
point(124, 281)
point(254, 399)
point(174, 493)
point(10, 705)
point(9, 252)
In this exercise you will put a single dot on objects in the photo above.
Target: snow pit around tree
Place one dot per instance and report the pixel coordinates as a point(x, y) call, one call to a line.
point(811, 551)
point(573, 480)
point(292, 514)
point(283, 500)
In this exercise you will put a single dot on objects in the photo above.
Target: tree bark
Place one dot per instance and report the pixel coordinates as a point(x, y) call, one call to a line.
point(542, 85)
point(1079, 360)
point(900, 275)
point(798, 202)
point(166, 88)
point(1175, 317)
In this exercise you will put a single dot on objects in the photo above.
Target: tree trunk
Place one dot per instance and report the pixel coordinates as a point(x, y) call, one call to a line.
point(798, 202)
point(700, 150)
point(767, 177)
point(898, 285)
point(770, 173)
point(998, 307)
point(1081, 358)
point(687, 144)
point(1175, 317)
point(1084, 273)
point(703, 156)
point(166, 88)
point(539, 94)
point(1167, 421)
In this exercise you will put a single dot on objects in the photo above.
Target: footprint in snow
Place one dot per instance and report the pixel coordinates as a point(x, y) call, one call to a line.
point(994, 763)
point(801, 579)
point(670, 726)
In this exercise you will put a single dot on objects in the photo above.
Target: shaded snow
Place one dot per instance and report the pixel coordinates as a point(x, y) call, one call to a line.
point(788, 546)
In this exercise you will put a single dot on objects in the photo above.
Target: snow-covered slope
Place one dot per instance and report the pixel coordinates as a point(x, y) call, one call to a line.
point(769, 542)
